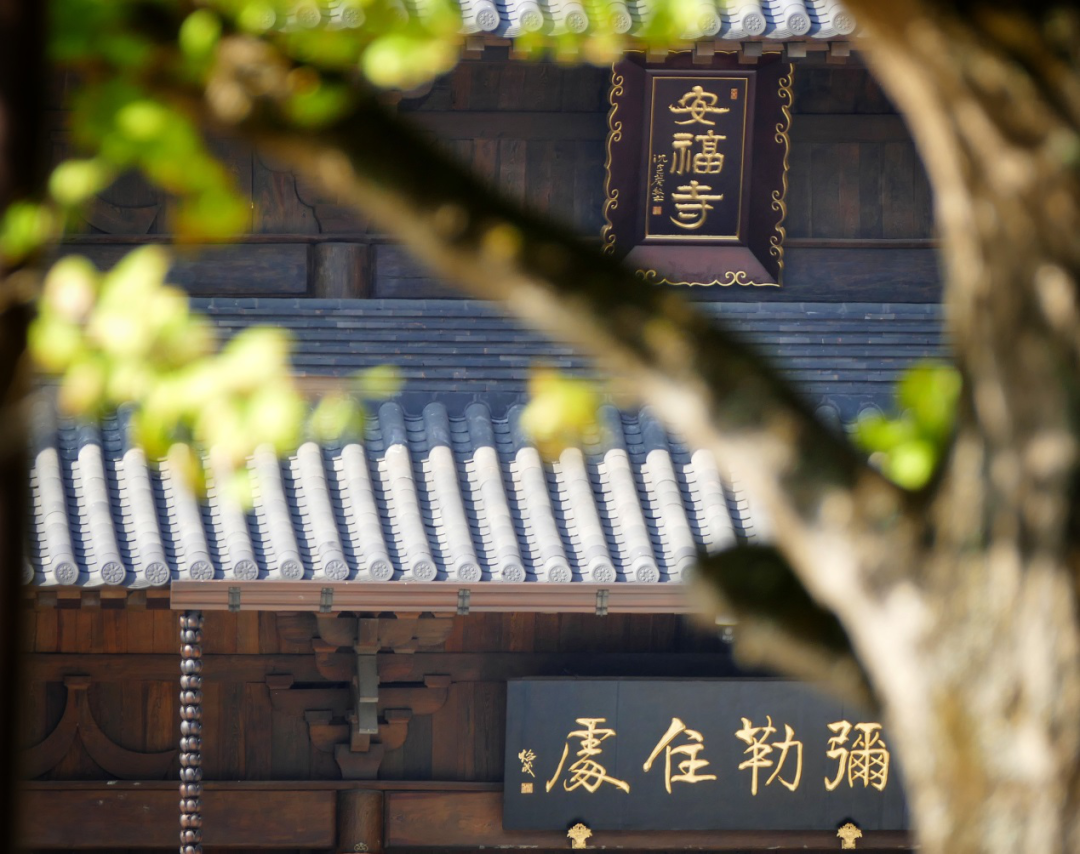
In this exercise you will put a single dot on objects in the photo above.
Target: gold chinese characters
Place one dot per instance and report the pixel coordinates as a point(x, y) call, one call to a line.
point(760, 750)
point(692, 205)
point(862, 757)
point(692, 200)
point(697, 105)
point(689, 767)
point(708, 161)
point(587, 772)
point(866, 761)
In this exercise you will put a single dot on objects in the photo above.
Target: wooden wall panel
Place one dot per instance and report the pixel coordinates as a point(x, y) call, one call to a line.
point(125, 816)
point(137, 707)
point(536, 131)
point(855, 174)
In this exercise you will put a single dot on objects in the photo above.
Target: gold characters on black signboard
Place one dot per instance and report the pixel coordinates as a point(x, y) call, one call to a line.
point(860, 751)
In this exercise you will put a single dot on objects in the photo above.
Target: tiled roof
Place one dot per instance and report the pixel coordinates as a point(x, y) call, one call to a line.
point(439, 489)
point(772, 20)
point(844, 357)
point(424, 497)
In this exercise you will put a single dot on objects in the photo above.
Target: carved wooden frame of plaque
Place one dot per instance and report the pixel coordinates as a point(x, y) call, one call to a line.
point(755, 255)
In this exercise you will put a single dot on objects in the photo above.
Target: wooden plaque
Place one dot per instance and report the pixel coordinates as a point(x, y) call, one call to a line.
point(689, 755)
point(696, 170)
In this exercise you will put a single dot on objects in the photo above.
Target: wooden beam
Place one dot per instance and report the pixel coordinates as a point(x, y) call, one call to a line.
point(847, 128)
point(436, 597)
point(470, 124)
point(393, 667)
point(360, 821)
point(474, 820)
point(53, 667)
point(106, 817)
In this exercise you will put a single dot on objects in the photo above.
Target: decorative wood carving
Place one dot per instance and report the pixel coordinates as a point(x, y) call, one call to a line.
point(191, 733)
point(332, 723)
point(120, 219)
point(78, 720)
point(358, 724)
point(333, 214)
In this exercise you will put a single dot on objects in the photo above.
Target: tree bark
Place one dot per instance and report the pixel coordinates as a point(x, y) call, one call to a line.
point(988, 710)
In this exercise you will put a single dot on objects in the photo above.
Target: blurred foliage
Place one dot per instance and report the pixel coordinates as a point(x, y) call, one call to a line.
point(561, 413)
point(127, 337)
point(909, 447)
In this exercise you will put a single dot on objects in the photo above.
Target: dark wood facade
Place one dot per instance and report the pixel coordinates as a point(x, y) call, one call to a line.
point(858, 223)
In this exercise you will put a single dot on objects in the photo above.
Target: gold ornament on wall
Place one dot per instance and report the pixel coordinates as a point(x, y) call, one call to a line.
point(578, 834)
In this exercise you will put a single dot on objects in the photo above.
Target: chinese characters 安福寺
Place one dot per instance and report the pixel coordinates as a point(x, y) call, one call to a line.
point(587, 772)
point(692, 200)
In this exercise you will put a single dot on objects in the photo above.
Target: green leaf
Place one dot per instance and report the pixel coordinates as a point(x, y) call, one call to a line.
point(912, 463)
point(199, 34)
point(75, 181)
point(25, 227)
point(379, 383)
point(561, 412)
point(335, 416)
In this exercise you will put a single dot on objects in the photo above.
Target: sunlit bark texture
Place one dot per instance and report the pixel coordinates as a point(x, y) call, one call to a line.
point(989, 712)
point(959, 603)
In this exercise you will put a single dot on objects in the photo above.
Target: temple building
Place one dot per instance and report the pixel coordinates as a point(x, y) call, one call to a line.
point(434, 639)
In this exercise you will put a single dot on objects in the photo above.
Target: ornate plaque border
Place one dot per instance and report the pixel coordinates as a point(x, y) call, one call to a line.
point(622, 164)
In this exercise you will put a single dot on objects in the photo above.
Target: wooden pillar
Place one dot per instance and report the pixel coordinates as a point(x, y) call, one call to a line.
point(359, 821)
point(191, 623)
point(340, 271)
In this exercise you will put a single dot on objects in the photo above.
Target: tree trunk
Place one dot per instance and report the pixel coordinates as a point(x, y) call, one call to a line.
point(979, 668)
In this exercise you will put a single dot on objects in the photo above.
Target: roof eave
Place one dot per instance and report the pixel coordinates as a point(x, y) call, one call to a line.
point(436, 597)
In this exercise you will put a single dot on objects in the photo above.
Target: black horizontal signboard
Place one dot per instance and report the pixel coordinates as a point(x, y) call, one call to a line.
point(694, 755)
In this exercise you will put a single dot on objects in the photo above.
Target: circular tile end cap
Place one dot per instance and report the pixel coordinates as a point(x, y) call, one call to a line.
point(423, 569)
point(291, 569)
point(113, 572)
point(380, 569)
point(512, 571)
point(157, 573)
point(798, 23)
point(336, 569)
point(66, 572)
point(646, 571)
point(246, 569)
point(754, 23)
point(201, 570)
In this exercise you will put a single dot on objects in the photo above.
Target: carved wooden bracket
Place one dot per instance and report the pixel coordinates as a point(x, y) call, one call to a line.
point(78, 720)
point(332, 719)
point(403, 633)
point(358, 724)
